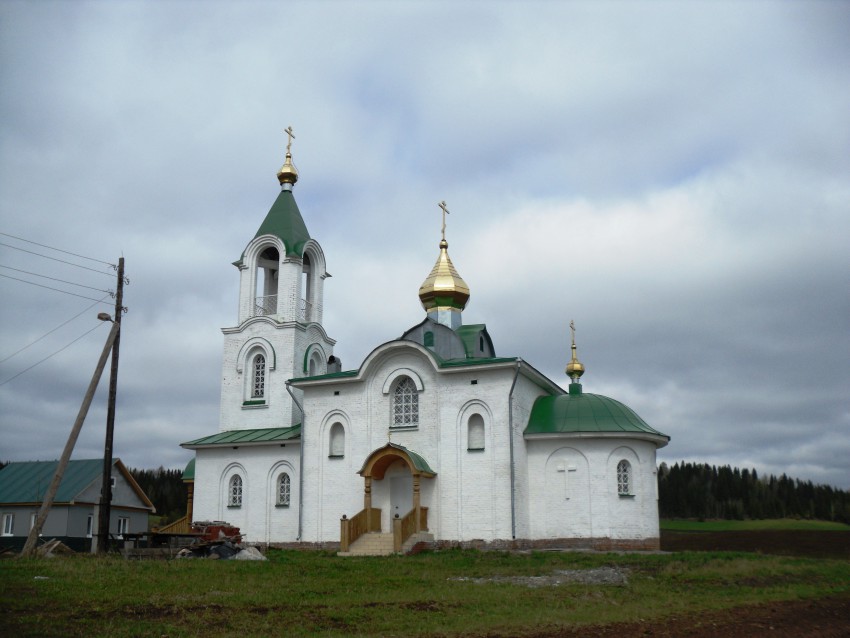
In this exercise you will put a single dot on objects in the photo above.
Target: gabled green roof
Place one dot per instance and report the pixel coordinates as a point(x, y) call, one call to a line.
point(242, 437)
point(27, 482)
point(579, 412)
point(284, 221)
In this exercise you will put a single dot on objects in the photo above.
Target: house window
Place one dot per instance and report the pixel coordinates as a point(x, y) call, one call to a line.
point(33, 519)
point(8, 524)
point(234, 491)
point(475, 433)
point(258, 386)
point(283, 490)
point(89, 523)
point(405, 404)
point(337, 441)
point(123, 525)
point(624, 478)
point(428, 340)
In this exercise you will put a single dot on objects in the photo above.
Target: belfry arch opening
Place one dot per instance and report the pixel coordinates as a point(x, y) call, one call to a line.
point(307, 301)
point(265, 294)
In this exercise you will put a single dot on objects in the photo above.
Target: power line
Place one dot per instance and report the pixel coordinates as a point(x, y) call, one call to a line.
point(70, 263)
point(56, 289)
point(52, 331)
point(63, 281)
point(52, 355)
point(67, 252)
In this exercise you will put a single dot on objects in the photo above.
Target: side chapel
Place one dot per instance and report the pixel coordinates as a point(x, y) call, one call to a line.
point(434, 437)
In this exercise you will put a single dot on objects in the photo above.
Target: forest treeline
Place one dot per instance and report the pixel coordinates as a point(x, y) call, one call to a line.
point(702, 491)
point(165, 489)
point(685, 490)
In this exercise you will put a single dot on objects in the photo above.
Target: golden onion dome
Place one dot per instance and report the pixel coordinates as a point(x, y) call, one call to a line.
point(288, 174)
point(444, 287)
point(574, 368)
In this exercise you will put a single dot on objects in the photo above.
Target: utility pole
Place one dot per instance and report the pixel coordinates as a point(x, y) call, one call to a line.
point(106, 485)
point(29, 546)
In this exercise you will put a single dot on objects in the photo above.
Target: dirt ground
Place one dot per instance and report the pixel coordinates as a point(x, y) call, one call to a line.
point(818, 618)
point(778, 542)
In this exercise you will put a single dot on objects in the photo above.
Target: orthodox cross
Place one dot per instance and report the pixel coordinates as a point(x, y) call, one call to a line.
point(291, 135)
point(442, 205)
point(573, 330)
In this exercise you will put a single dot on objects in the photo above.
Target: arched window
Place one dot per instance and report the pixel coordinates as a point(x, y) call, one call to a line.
point(475, 432)
point(624, 478)
point(234, 491)
point(258, 385)
point(336, 446)
point(428, 339)
point(283, 490)
point(405, 404)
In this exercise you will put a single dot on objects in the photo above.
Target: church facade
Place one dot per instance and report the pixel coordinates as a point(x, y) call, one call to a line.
point(433, 432)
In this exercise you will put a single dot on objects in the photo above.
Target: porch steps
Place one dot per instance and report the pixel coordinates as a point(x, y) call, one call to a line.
point(371, 544)
point(381, 544)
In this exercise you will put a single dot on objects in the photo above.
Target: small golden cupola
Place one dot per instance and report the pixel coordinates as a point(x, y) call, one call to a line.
point(288, 174)
point(444, 294)
point(574, 368)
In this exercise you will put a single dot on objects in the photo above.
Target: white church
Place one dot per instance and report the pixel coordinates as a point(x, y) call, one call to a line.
point(433, 438)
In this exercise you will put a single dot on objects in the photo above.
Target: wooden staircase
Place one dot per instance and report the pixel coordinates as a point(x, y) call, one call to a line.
point(381, 544)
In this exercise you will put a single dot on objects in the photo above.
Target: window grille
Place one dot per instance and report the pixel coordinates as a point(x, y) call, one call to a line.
point(405, 404)
point(259, 387)
point(624, 478)
point(234, 498)
point(283, 485)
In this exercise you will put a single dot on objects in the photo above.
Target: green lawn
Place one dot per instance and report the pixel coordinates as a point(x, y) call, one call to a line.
point(735, 526)
point(450, 593)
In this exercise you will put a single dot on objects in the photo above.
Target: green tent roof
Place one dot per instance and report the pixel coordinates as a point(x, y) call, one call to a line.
point(189, 472)
point(27, 482)
point(578, 412)
point(241, 437)
point(284, 220)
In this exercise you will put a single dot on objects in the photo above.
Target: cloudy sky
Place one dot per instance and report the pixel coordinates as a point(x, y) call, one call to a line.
point(675, 177)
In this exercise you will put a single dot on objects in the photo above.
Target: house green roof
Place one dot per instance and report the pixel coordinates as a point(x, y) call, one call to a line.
point(284, 221)
point(579, 412)
point(27, 482)
point(243, 437)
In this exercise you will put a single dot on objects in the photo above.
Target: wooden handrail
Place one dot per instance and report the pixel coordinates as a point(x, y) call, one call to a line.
point(405, 527)
point(350, 529)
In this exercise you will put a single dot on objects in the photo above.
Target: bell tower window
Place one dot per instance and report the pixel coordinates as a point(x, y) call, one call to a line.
point(268, 264)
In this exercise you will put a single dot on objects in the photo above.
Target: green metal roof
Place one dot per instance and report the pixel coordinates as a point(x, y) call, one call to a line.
point(284, 220)
point(27, 482)
point(241, 437)
point(578, 412)
point(453, 363)
point(418, 461)
point(189, 472)
point(469, 335)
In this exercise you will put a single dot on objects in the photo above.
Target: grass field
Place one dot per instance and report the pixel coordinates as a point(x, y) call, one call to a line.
point(752, 525)
point(450, 593)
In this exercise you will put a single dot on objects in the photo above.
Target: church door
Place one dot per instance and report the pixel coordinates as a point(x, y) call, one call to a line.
point(401, 494)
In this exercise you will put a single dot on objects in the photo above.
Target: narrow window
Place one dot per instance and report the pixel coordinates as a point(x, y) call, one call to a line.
point(234, 491)
point(8, 524)
point(89, 523)
point(33, 519)
point(337, 441)
point(258, 390)
point(624, 478)
point(123, 525)
point(475, 432)
point(283, 490)
point(428, 341)
point(405, 404)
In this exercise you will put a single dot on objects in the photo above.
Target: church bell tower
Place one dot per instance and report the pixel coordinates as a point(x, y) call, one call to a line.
point(279, 333)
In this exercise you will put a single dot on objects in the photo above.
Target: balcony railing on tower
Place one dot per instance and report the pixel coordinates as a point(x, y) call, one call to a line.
point(265, 306)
